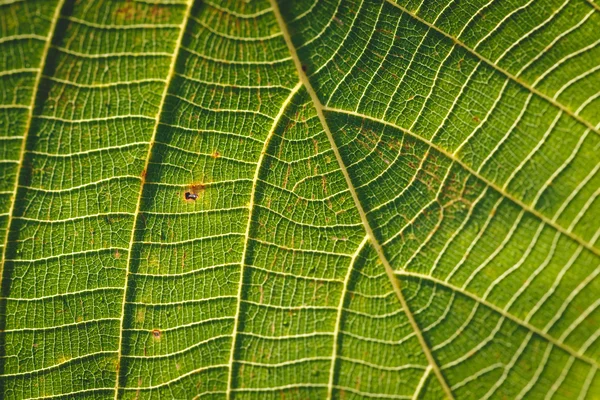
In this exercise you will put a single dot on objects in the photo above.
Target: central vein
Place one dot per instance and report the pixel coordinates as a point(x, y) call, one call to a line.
point(376, 245)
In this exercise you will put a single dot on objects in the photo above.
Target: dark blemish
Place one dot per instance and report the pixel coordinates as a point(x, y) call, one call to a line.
point(215, 154)
point(476, 118)
point(156, 334)
point(191, 196)
point(304, 68)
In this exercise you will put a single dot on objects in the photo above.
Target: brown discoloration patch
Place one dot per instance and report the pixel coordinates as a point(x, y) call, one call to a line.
point(215, 154)
point(197, 187)
point(156, 334)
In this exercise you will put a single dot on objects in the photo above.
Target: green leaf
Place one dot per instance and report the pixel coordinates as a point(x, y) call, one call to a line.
point(310, 199)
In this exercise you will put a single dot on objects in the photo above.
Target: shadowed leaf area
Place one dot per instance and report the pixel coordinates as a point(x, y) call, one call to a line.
point(277, 199)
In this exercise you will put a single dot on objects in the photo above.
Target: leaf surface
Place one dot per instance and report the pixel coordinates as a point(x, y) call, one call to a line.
point(332, 199)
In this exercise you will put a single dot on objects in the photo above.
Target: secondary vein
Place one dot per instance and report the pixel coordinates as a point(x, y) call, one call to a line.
point(251, 207)
point(36, 89)
point(510, 76)
point(170, 74)
point(497, 188)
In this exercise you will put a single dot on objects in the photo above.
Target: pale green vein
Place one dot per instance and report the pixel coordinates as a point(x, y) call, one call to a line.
point(340, 311)
point(506, 73)
point(251, 206)
point(376, 245)
point(36, 88)
point(170, 75)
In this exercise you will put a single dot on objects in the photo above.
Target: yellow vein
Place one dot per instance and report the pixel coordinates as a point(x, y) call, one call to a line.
point(491, 184)
point(251, 207)
point(376, 245)
point(503, 313)
point(497, 68)
point(170, 75)
point(27, 128)
point(338, 321)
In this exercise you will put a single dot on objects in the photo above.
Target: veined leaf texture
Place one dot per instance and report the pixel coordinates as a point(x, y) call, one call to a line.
point(333, 199)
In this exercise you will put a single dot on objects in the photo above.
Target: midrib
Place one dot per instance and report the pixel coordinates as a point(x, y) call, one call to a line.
point(169, 79)
point(376, 245)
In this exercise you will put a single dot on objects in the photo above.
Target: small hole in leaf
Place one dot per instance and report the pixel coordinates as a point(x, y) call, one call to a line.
point(156, 334)
point(191, 196)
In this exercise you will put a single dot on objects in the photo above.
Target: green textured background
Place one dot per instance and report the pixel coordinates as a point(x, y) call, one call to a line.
point(395, 200)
